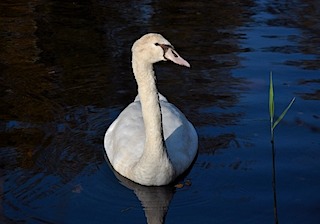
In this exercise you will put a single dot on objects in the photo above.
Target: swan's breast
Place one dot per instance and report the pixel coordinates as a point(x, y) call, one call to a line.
point(124, 140)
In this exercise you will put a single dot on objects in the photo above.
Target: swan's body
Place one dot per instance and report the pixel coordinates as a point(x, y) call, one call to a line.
point(151, 142)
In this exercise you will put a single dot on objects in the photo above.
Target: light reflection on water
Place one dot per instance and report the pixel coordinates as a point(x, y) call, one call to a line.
point(65, 71)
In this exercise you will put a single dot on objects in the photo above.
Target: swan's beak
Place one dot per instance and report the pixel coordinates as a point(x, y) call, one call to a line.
point(173, 56)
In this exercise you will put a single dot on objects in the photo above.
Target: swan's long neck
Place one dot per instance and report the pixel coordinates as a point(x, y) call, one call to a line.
point(154, 149)
point(151, 110)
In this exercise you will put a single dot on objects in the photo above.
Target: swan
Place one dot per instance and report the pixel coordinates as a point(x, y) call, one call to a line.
point(151, 142)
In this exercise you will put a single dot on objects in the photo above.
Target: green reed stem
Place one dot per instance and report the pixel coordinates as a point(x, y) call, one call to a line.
point(273, 123)
point(272, 127)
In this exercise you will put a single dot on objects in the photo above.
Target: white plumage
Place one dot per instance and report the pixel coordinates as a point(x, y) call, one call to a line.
point(151, 142)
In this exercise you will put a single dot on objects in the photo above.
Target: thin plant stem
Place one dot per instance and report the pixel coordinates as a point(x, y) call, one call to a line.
point(271, 106)
point(272, 127)
point(274, 188)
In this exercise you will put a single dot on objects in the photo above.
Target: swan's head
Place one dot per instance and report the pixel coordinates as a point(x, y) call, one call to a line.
point(152, 48)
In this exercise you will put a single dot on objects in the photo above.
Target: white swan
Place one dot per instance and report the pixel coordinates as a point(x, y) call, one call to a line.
point(151, 142)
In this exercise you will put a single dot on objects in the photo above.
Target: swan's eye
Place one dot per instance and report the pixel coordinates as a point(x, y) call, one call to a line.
point(157, 44)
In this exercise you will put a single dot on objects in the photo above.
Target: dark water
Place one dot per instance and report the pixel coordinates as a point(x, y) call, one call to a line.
point(66, 75)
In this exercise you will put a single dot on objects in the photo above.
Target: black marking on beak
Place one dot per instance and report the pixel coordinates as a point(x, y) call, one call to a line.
point(165, 48)
point(174, 53)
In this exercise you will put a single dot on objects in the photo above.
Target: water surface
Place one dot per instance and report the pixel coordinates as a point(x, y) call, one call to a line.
point(66, 75)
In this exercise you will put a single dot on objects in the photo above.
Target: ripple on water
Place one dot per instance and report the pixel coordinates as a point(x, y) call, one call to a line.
point(49, 197)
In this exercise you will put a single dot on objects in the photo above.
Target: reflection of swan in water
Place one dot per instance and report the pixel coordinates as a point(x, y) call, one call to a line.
point(155, 200)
